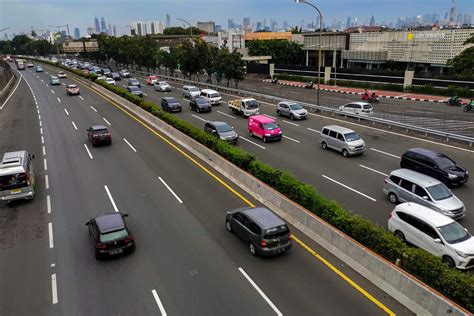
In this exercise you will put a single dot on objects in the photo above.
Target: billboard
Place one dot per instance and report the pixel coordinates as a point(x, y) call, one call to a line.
point(80, 47)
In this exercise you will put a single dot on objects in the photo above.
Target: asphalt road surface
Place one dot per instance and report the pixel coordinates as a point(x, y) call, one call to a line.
point(186, 263)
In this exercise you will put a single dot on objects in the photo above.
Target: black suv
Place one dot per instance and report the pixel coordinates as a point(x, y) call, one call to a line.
point(99, 135)
point(262, 230)
point(222, 130)
point(436, 165)
point(200, 105)
point(170, 104)
point(111, 235)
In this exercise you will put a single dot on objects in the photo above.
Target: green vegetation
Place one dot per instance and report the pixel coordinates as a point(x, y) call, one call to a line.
point(463, 63)
point(456, 285)
point(282, 52)
point(23, 45)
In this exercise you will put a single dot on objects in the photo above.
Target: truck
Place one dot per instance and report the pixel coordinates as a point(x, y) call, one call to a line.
point(245, 107)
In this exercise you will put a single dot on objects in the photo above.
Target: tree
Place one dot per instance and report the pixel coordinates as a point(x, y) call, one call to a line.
point(282, 52)
point(463, 64)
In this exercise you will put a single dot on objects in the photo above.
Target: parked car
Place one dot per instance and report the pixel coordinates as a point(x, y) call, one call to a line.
point(134, 82)
point(190, 92)
point(39, 69)
point(115, 76)
point(264, 127)
point(110, 81)
point(292, 110)
point(200, 105)
point(434, 232)
point(263, 231)
point(404, 185)
point(151, 80)
point(222, 130)
point(436, 165)
point(135, 91)
point(111, 235)
point(99, 135)
point(162, 86)
point(341, 139)
point(72, 89)
point(53, 80)
point(62, 74)
point(361, 108)
point(212, 96)
point(170, 104)
point(124, 73)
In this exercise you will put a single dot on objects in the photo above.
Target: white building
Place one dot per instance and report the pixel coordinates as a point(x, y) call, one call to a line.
point(147, 27)
point(231, 40)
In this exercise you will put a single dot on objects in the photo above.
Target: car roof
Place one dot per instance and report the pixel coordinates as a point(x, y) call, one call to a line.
point(109, 222)
point(162, 81)
point(170, 99)
point(217, 123)
point(189, 87)
point(72, 85)
point(427, 152)
point(425, 213)
point(200, 99)
point(209, 91)
point(261, 118)
point(54, 77)
point(152, 76)
point(264, 217)
point(359, 103)
point(288, 102)
point(98, 127)
point(339, 129)
point(416, 177)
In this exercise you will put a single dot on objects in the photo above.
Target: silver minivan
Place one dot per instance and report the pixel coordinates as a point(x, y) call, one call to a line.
point(404, 185)
point(342, 139)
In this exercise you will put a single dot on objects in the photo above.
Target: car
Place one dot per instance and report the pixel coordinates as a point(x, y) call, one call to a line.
point(162, 86)
point(135, 91)
point(53, 80)
point(434, 232)
point(99, 135)
point(110, 81)
point(134, 82)
point(170, 104)
point(222, 130)
point(62, 74)
point(264, 232)
point(292, 110)
point(342, 139)
point(212, 96)
point(436, 165)
point(360, 108)
point(30, 64)
point(124, 73)
point(264, 127)
point(200, 105)
point(191, 92)
point(111, 235)
point(106, 72)
point(100, 77)
point(405, 185)
point(39, 69)
point(151, 80)
point(85, 71)
point(115, 76)
point(72, 89)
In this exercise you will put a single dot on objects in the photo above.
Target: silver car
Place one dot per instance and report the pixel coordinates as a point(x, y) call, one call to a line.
point(361, 108)
point(341, 139)
point(162, 86)
point(292, 110)
point(404, 185)
point(191, 92)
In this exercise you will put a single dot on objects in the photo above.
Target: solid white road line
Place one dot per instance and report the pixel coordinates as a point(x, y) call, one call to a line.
point(88, 152)
point(313, 130)
point(376, 171)
point(48, 204)
point(42, 139)
point(158, 302)
point(248, 140)
point(172, 192)
point(270, 116)
point(277, 311)
point(291, 123)
point(93, 108)
point(67, 113)
point(228, 115)
point(74, 124)
point(46, 181)
point(347, 187)
point(111, 198)
point(80, 97)
point(292, 139)
point(385, 153)
point(52, 91)
point(13, 92)
point(106, 121)
point(130, 145)
point(59, 100)
point(44, 151)
point(199, 118)
point(54, 288)
point(50, 232)
point(45, 164)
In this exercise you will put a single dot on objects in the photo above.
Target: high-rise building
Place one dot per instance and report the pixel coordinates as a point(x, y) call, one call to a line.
point(148, 27)
point(209, 27)
point(467, 19)
point(452, 12)
point(90, 31)
point(285, 25)
point(77, 33)
point(109, 29)
point(435, 18)
point(372, 21)
point(103, 27)
point(230, 24)
point(246, 23)
point(218, 28)
point(273, 25)
point(259, 26)
point(168, 21)
point(97, 25)
point(348, 22)
point(114, 30)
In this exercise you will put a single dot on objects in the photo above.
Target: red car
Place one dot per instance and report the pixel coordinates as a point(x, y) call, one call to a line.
point(72, 89)
point(151, 80)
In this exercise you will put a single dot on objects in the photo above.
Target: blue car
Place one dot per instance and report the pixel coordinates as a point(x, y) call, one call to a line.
point(54, 81)
point(39, 69)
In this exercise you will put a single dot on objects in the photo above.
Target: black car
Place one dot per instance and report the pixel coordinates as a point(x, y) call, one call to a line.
point(135, 91)
point(436, 165)
point(222, 130)
point(200, 105)
point(115, 76)
point(170, 104)
point(134, 82)
point(106, 72)
point(99, 135)
point(262, 230)
point(111, 235)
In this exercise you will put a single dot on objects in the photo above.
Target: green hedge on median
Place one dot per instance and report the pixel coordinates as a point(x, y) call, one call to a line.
point(456, 285)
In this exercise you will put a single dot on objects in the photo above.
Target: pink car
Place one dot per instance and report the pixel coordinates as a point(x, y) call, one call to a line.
point(264, 127)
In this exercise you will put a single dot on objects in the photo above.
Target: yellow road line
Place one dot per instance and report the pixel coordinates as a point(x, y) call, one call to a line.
point(301, 243)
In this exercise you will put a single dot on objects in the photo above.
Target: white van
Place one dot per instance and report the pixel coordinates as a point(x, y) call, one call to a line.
point(342, 139)
point(212, 96)
point(17, 178)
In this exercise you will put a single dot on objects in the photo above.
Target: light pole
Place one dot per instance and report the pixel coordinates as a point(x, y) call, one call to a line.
point(320, 40)
point(190, 26)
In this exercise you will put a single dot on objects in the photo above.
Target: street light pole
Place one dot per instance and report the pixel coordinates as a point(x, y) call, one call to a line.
point(320, 41)
point(190, 26)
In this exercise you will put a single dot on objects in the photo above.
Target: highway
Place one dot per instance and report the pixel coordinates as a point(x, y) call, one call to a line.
point(186, 263)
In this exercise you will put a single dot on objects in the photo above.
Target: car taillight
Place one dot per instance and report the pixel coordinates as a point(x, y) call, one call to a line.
point(263, 243)
point(100, 245)
point(129, 239)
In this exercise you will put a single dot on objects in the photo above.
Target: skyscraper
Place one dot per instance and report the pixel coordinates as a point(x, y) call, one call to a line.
point(168, 21)
point(436, 18)
point(246, 23)
point(77, 33)
point(348, 22)
point(452, 12)
point(90, 30)
point(230, 24)
point(97, 25)
point(467, 19)
point(285, 25)
point(372, 21)
point(114, 30)
point(103, 27)
point(259, 26)
point(109, 29)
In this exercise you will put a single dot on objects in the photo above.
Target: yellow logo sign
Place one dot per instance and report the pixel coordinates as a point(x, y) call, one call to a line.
point(410, 36)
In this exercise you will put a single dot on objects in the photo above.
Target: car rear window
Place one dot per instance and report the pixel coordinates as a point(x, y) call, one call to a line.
point(115, 235)
point(100, 131)
point(276, 232)
point(367, 106)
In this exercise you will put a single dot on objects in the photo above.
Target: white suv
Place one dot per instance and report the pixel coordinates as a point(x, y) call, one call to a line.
point(433, 232)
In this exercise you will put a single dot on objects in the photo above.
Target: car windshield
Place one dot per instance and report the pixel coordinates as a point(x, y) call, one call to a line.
point(214, 95)
point(133, 88)
point(445, 163)
point(454, 233)
point(270, 126)
point(134, 80)
point(72, 86)
point(172, 101)
point(439, 192)
point(193, 89)
point(224, 128)
point(251, 104)
point(350, 137)
point(295, 106)
point(115, 235)
point(201, 101)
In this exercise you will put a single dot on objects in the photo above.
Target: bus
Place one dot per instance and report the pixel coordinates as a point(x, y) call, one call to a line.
point(20, 64)
point(17, 177)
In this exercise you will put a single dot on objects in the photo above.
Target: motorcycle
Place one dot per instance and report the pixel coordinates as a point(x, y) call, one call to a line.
point(309, 85)
point(454, 101)
point(275, 80)
point(468, 107)
point(371, 98)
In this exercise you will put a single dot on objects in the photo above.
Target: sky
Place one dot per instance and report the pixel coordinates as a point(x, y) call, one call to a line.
point(20, 16)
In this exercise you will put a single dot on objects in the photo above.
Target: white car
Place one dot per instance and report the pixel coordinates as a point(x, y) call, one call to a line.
point(162, 86)
point(110, 81)
point(434, 232)
point(191, 92)
point(101, 78)
point(361, 108)
point(62, 74)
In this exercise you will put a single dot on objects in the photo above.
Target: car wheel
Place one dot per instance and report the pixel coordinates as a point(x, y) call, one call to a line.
point(345, 153)
point(278, 113)
point(264, 139)
point(198, 110)
point(252, 249)
point(392, 197)
point(324, 145)
point(399, 235)
point(292, 117)
point(227, 225)
point(449, 262)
